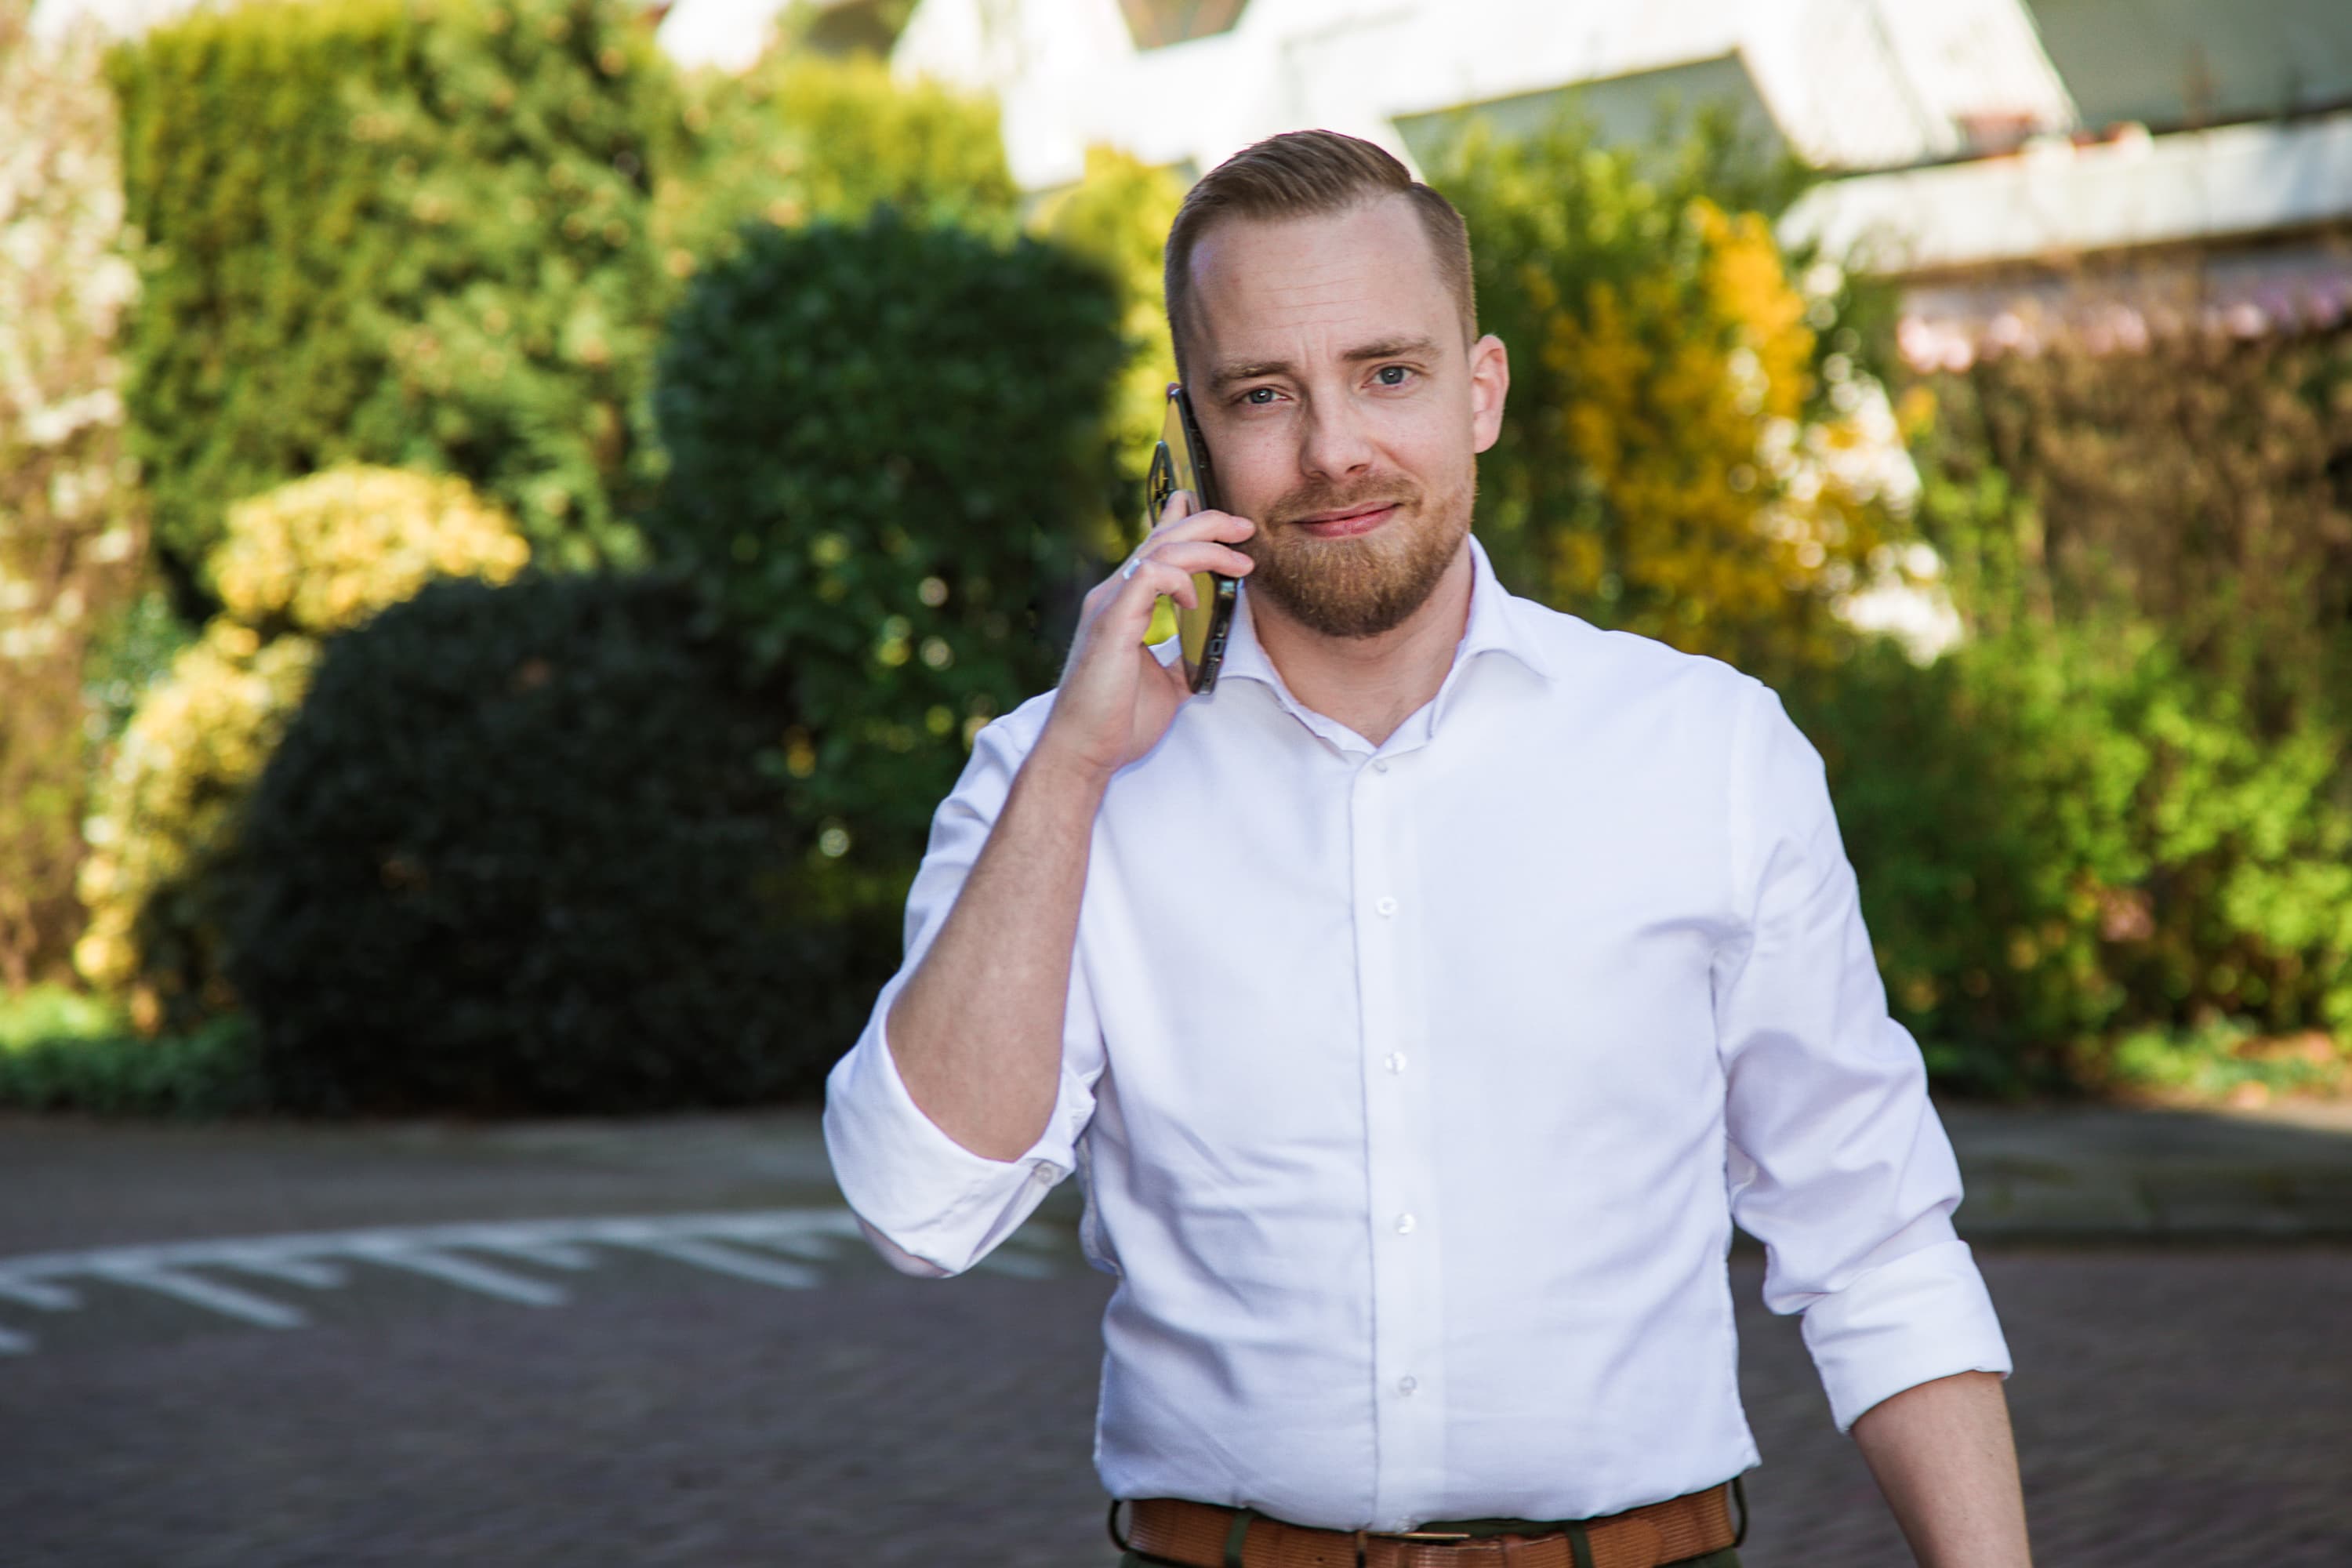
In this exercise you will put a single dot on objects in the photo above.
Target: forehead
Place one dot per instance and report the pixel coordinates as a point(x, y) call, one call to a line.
point(1325, 279)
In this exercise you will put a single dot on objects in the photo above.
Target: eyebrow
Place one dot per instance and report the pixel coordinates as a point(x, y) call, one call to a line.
point(1384, 348)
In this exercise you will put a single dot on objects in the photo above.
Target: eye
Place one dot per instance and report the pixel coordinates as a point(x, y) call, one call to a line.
point(1393, 374)
point(1259, 397)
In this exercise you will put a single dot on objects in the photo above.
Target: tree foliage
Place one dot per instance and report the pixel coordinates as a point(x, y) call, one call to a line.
point(71, 525)
point(801, 137)
point(408, 232)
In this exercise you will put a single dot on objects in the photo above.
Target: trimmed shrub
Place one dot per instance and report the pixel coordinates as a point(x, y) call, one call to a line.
point(514, 853)
point(886, 445)
point(297, 565)
point(799, 138)
point(410, 232)
point(71, 526)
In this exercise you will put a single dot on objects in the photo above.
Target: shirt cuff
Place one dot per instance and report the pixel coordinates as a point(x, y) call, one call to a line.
point(939, 1206)
point(1923, 1316)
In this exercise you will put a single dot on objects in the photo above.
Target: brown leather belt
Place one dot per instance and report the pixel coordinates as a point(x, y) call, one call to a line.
point(1204, 1535)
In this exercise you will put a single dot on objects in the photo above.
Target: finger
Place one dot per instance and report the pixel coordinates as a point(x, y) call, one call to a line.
point(1153, 578)
point(1181, 504)
point(1203, 555)
point(1222, 525)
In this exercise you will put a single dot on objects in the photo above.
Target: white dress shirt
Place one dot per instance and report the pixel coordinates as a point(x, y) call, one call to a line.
point(1415, 1088)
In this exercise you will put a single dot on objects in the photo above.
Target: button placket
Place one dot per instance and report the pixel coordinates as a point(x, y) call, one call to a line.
point(1408, 1407)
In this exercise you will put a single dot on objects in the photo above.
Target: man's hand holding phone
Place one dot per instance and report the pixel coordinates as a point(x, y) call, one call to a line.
point(1115, 698)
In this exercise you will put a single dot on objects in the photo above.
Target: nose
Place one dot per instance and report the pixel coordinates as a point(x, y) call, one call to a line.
point(1332, 442)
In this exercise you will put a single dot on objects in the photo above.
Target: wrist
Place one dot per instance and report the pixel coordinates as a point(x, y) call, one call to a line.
point(1066, 771)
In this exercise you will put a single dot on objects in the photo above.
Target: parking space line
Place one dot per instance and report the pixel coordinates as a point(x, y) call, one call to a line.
point(768, 1247)
point(723, 1260)
point(197, 1291)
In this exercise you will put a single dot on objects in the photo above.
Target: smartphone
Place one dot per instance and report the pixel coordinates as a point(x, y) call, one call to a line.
point(1180, 462)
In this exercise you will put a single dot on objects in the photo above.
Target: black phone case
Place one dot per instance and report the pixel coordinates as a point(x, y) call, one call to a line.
point(1201, 632)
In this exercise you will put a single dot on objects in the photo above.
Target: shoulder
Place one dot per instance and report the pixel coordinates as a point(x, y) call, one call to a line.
point(1640, 672)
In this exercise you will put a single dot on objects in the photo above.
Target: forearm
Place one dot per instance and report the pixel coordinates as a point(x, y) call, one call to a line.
point(1943, 1456)
point(976, 1033)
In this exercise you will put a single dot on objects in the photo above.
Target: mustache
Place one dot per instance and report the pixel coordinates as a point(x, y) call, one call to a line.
point(1322, 496)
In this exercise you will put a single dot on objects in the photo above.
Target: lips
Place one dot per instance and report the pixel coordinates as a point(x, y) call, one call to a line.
point(1347, 524)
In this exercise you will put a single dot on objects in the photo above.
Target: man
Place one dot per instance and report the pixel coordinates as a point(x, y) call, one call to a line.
point(1421, 1006)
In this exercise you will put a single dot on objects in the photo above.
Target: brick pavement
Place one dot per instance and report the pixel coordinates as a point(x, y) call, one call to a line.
point(2175, 1405)
point(2172, 1407)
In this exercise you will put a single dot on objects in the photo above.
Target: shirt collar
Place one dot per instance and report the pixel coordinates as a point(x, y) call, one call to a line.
point(1496, 626)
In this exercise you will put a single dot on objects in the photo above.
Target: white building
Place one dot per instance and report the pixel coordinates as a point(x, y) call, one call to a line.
point(1846, 83)
point(2024, 167)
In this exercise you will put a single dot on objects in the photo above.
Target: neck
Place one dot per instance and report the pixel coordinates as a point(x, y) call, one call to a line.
point(1371, 684)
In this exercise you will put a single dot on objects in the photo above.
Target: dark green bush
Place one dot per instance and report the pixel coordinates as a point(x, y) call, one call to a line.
point(886, 443)
point(513, 853)
point(409, 232)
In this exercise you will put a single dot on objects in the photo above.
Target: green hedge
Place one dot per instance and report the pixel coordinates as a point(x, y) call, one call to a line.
point(886, 447)
point(514, 855)
point(410, 232)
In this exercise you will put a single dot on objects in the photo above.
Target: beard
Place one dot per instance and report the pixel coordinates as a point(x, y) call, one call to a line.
point(1371, 584)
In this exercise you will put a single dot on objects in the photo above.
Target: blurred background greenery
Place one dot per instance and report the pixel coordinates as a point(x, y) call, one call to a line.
point(503, 543)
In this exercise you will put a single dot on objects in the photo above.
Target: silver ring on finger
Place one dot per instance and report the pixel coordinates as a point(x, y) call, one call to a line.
point(1133, 562)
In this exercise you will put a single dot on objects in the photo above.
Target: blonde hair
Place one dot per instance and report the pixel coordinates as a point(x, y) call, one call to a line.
point(1308, 174)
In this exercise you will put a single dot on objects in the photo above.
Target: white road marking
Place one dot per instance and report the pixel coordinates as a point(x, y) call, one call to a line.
point(317, 1275)
point(546, 1254)
point(724, 1259)
point(226, 1300)
point(743, 1244)
point(36, 1293)
point(464, 1275)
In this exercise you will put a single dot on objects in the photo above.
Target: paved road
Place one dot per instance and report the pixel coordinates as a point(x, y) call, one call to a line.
point(2175, 1404)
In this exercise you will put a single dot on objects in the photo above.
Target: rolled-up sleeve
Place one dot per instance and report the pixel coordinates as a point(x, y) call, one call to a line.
point(1838, 1163)
point(930, 1206)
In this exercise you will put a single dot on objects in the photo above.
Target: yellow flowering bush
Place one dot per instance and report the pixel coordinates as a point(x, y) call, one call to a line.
point(1674, 461)
point(165, 809)
point(315, 556)
point(298, 564)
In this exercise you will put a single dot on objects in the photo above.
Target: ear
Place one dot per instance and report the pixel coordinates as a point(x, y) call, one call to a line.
point(1490, 381)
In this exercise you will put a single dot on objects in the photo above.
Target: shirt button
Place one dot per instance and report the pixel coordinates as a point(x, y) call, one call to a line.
point(1405, 1386)
point(1380, 765)
point(1386, 906)
point(1047, 1175)
point(1396, 1062)
point(1404, 1225)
